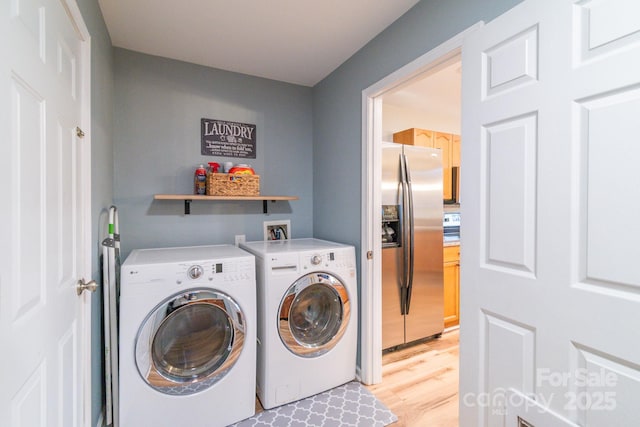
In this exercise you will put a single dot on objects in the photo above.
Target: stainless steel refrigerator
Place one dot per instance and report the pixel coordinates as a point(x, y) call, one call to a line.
point(412, 279)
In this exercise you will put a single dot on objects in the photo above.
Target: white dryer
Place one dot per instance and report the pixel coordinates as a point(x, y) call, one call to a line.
point(307, 317)
point(187, 336)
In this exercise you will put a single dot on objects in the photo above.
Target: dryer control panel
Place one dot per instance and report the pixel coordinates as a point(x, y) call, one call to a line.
point(326, 259)
point(307, 261)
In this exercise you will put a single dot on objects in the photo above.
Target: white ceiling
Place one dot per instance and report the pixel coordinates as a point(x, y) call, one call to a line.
point(295, 41)
point(438, 89)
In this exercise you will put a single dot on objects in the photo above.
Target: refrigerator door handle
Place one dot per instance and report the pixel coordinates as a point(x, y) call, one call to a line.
point(406, 233)
point(410, 233)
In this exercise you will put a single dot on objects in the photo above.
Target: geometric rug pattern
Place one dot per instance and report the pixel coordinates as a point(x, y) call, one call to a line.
point(350, 404)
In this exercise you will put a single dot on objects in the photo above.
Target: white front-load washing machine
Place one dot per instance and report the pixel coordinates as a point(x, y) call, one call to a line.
point(187, 336)
point(307, 317)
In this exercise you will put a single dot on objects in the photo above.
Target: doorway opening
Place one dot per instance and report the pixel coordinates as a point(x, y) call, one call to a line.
point(424, 94)
point(377, 127)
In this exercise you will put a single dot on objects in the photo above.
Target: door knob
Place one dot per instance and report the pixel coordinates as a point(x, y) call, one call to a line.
point(90, 286)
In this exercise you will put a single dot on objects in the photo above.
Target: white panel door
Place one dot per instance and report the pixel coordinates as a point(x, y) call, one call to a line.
point(44, 212)
point(550, 285)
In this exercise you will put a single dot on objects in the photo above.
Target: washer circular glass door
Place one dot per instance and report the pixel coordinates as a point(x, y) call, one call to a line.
point(190, 341)
point(314, 314)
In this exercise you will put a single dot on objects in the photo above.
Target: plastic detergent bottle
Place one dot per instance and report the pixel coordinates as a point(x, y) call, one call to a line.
point(200, 181)
point(242, 170)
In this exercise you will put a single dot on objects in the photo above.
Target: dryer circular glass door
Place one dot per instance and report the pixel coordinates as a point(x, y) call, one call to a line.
point(190, 341)
point(314, 314)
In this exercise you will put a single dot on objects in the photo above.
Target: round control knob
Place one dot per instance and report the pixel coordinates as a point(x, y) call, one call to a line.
point(195, 271)
point(316, 259)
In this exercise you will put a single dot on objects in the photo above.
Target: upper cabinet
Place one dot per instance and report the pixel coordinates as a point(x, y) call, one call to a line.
point(455, 151)
point(447, 142)
point(415, 136)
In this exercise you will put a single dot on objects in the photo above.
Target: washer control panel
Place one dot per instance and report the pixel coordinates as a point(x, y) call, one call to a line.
point(195, 271)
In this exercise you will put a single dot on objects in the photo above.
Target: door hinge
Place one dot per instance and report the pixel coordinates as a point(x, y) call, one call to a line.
point(79, 132)
point(369, 254)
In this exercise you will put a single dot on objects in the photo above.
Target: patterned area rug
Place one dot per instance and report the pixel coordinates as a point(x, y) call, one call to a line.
point(348, 405)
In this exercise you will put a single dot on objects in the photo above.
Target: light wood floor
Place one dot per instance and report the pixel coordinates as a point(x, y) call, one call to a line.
point(420, 383)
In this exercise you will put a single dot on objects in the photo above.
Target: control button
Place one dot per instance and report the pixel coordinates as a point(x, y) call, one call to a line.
point(316, 259)
point(195, 271)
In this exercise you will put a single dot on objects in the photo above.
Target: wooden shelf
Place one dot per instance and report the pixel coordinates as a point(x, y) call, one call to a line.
point(188, 198)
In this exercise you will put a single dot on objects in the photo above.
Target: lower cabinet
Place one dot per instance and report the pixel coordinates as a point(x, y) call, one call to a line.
point(451, 256)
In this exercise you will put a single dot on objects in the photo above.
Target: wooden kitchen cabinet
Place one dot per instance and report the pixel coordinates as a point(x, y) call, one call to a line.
point(451, 257)
point(443, 141)
point(415, 136)
point(447, 142)
point(455, 151)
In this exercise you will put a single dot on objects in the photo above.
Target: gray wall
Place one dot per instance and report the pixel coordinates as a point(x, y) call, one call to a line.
point(337, 106)
point(101, 175)
point(158, 106)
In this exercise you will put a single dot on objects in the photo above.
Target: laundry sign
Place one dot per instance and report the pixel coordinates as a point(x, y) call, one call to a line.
point(228, 139)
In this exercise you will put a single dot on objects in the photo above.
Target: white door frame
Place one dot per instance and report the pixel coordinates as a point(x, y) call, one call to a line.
point(370, 369)
point(84, 328)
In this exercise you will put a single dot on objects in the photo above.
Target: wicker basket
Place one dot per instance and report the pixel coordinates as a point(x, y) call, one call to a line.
point(223, 184)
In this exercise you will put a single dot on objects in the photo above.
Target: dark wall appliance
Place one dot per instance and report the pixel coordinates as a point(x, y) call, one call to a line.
point(455, 187)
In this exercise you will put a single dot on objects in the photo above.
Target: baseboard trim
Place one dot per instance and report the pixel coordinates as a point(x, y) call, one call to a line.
point(451, 328)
